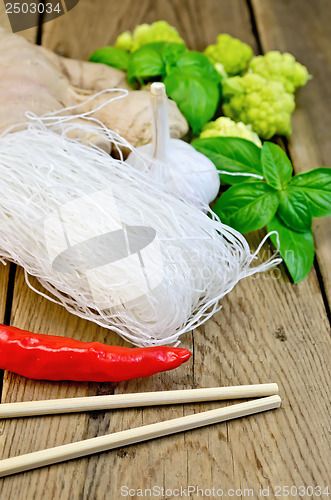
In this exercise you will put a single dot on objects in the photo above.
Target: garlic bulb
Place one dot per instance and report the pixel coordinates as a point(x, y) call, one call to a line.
point(175, 162)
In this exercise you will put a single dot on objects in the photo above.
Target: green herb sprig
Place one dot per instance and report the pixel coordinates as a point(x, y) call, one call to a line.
point(272, 197)
point(190, 78)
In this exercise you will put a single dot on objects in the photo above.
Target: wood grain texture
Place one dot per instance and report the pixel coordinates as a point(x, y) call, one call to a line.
point(91, 25)
point(4, 275)
point(4, 279)
point(4, 21)
point(302, 28)
point(267, 330)
point(29, 34)
point(37, 314)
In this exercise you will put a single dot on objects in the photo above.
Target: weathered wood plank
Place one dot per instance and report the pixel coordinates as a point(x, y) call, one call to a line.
point(29, 34)
point(37, 314)
point(4, 21)
point(4, 279)
point(303, 29)
point(84, 29)
point(4, 274)
point(268, 330)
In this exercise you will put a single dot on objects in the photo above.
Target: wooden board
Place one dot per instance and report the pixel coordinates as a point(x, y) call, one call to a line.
point(4, 275)
point(302, 28)
point(74, 37)
point(4, 280)
point(4, 21)
point(37, 314)
point(268, 330)
point(29, 34)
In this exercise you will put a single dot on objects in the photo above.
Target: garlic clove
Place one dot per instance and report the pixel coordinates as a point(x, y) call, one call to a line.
point(174, 162)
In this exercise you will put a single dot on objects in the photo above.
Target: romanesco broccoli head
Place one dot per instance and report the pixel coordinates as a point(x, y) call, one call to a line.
point(124, 41)
point(231, 53)
point(225, 127)
point(263, 104)
point(281, 68)
point(160, 31)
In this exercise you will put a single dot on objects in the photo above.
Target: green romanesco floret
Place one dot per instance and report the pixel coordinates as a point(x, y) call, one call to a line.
point(280, 68)
point(231, 53)
point(263, 104)
point(225, 127)
point(160, 31)
point(124, 41)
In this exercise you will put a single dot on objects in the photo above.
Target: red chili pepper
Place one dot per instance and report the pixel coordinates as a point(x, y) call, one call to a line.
point(50, 357)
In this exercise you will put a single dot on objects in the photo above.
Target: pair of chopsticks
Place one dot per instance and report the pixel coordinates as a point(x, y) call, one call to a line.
point(267, 394)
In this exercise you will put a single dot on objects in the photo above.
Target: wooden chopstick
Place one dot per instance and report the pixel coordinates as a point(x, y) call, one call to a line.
point(71, 405)
point(136, 435)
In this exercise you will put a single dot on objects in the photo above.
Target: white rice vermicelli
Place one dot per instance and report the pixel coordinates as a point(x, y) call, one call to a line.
point(109, 243)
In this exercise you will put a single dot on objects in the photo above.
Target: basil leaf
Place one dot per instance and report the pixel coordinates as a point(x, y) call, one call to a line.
point(232, 154)
point(196, 63)
point(277, 167)
point(316, 186)
point(152, 59)
point(145, 63)
point(294, 211)
point(247, 206)
point(117, 58)
point(196, 97)
point(296, 249)
point(171, 52)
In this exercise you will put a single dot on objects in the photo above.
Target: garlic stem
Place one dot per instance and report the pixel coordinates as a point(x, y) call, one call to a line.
point(173, 162)
point(161, 134)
